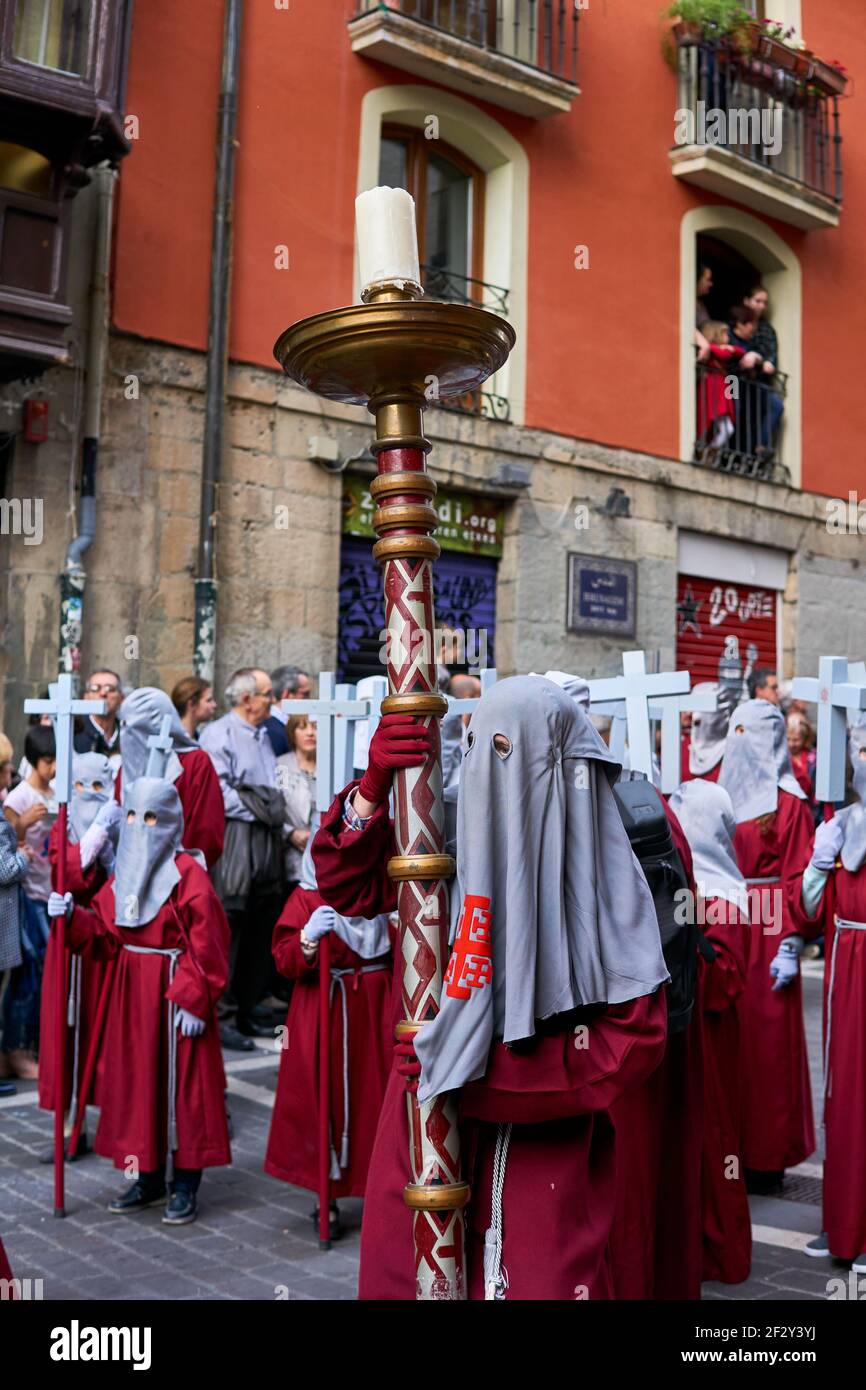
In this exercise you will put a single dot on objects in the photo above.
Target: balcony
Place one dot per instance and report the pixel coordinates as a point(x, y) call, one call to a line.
point(519, 54)
point(441, 283)
point(760, 126)
point(746, 443)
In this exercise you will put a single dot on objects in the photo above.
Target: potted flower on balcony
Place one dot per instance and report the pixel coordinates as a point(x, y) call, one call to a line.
point(832, 76)
point(714, 19)
point(779, 45)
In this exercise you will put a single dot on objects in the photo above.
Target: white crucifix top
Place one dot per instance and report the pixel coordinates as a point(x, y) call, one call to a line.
point(668, 709)
point(63, 708)
point(161, 747)
point(632, 692)
point(835, 693)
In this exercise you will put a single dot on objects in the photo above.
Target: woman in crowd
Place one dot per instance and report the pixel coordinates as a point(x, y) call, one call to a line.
point(296, 778)
point(193, 699)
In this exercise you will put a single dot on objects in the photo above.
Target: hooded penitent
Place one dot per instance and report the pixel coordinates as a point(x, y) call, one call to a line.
point(706, 814)
point(709, 729)
point(367, 936)
point(756, 763)
point(550, 910)
point(92, 787)
point(140, 717)
point(853, 818)
point(150, 836)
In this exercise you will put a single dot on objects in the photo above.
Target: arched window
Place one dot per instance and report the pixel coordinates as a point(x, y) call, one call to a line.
point(738, 248)
point(448, 189)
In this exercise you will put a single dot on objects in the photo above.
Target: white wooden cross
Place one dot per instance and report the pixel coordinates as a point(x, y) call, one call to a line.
point(161, 747)
point(668, 709)
point(331, 712)
point(633, 691)
point(63, 708)
point(488, 679)
point(835, 693)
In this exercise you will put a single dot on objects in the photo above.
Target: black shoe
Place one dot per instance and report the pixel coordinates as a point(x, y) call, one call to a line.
point(82, 1149)
point(250, 1029)
point(761, 1183)
point(235, 1041)
point(335, 1226)
point(182, 1208)
point(8, 1088)
point(261, 1014)
point(136, 1198)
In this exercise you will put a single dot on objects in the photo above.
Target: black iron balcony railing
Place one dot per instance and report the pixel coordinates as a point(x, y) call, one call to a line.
point(778, 112)
point(441, 283)
point(739, 423)
point(541, 33)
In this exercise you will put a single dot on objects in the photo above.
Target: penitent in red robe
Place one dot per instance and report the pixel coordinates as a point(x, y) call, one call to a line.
point(726, 1218)
point(293, 1143)
point(83, 885)
point(657, 1237)
point(201, 799)
point(845, 1099)
point(559, 1191)
point(133, 1119)
point(777, 1101)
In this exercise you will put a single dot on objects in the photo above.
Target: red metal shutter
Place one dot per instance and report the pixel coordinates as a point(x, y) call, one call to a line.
point(721, 626)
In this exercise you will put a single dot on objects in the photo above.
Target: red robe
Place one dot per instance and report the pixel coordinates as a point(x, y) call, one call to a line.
point(559, 1191)
point(204, 819)
point(656, 1243)
point(777, 1102)
point(83, 885)
point(5, 1270)
point(133, 1119)
point(293, 1143)
point(726, 1219)
point(845, 1100)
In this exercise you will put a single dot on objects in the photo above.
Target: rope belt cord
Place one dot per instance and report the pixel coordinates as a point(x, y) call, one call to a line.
point(495, 1277)
point(73, 1019)
point(756, 882)
point(841, 923)
point(338, 981)
point(173, 954)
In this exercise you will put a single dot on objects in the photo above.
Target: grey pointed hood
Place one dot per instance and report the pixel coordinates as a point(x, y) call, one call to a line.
point(94, 773)
point(550, 909)
point(145, 872)
point(140, 717)
point(706, 814)
point(756, 762)
point(709, 731)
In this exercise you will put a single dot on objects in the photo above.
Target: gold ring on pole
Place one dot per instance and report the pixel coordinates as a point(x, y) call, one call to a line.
point(416, 702)
point(396, 514)
point(402, 547)
point(422, 867)
point(386, 484)
point(445, 1196)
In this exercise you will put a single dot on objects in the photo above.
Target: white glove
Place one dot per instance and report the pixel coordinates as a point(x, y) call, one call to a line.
point(108, 814)
point(60, 905)
point(92, 842)
point(785, 965)
point(189, 1025)
point(828, 841)
point(321, 922)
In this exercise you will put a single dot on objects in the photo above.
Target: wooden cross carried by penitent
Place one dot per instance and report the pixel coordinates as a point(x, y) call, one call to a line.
point(161, 747)
point(834, 692)
point(63, 707)
point(668, 709)
point(334, 709)
point(632, 693)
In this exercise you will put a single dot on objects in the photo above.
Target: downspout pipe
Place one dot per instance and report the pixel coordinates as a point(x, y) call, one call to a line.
point(73, 576)
point(204, 652)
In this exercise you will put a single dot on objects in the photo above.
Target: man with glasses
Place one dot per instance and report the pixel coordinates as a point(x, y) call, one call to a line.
point(249, 877)
point(101, 732)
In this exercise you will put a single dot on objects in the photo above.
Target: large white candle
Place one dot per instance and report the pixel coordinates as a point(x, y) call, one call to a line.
point(387, 242)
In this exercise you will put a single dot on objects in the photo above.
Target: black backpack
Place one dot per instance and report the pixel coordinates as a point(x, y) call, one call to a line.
point(649, 831)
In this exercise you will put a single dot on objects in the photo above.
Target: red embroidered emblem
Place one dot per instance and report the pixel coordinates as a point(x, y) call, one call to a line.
point(471, 963)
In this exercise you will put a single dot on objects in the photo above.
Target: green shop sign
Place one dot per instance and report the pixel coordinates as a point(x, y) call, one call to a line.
point(471, 524)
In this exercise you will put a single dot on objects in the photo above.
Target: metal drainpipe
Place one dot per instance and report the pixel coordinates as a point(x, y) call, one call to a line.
point(73, 576)
point(204, 652)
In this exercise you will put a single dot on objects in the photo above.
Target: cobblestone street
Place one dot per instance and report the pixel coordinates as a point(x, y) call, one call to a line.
point(254, 1238)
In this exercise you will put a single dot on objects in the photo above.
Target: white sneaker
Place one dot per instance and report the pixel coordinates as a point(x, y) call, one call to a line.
point(859, 1265)
point(819, 1248)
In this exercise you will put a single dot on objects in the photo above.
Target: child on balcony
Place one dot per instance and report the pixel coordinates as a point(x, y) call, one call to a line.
point(716, 397)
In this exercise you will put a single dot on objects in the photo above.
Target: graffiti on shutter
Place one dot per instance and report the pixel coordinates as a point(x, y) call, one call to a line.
point(724, 631)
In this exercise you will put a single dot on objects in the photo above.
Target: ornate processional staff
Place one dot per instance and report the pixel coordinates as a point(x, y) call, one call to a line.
point(394, 353)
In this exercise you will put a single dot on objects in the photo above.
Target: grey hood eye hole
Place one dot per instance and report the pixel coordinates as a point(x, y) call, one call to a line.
point(470, 740)
point(502, 745)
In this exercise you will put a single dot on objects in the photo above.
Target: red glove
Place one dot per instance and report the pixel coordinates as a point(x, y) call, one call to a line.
point(399, 741)
point(408, 1065)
